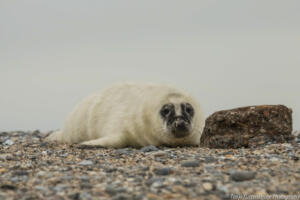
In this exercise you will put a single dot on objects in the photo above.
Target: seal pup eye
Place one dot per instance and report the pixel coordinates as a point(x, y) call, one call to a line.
point(166, 110)
point(189, 109)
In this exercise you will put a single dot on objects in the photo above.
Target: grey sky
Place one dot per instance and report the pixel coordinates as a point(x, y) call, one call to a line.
point(227, 53)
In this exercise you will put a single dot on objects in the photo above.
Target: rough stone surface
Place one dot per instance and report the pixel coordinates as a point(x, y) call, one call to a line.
point(248, 127)
point(32, 168)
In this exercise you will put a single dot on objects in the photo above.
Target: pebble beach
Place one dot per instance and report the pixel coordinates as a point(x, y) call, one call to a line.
point(31, 168)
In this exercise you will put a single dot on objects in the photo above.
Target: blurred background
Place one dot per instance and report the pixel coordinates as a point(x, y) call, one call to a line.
point(226, 53)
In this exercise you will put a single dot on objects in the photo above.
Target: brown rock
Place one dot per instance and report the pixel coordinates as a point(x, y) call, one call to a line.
point(247, 127)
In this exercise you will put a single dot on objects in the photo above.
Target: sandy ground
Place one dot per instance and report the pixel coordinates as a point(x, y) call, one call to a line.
point(31, 168)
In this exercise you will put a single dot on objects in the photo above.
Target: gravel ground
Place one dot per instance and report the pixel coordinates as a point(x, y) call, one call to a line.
point(31, 168)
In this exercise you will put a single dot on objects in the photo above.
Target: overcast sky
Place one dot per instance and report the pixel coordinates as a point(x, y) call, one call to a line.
point(227, 53)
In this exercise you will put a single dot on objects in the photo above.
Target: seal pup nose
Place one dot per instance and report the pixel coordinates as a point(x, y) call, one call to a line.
point(180, 124)
point(180, 128)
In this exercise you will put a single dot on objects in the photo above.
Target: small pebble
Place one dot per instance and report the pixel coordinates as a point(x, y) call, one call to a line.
point(207, 186)
point(20, 173)
point(112, 189)
point(60, 187)
point(41, 189)
point(8, 142)
point(160, 154)
point(223, 188)
point(86, 163)
point(163, 171)
point(125, 151)
point(242, 175)
point(149, 149)
point(6, 157)
point(85, 196)
point(210, 159)
point(190, 164)
point(67, 178)
point(122, 197)
point(41, 173)
point(8, 187)
point(75, 196)
point(153, 180)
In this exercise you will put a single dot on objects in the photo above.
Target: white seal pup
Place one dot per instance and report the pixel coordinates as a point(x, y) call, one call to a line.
point(134, 115)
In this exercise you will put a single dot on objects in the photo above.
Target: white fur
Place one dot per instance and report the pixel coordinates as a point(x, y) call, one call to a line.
point(128, 115)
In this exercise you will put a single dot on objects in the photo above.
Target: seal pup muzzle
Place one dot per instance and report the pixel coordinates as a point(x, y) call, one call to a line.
point(177, 118)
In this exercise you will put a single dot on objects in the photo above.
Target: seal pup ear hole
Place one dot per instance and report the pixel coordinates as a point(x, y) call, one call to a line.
point(166, 110)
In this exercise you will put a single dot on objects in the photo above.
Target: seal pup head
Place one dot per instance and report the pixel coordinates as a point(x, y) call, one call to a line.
point(178, 118)
point(177, 114)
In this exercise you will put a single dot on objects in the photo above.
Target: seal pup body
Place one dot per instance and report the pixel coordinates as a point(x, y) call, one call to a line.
point(134, 115)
